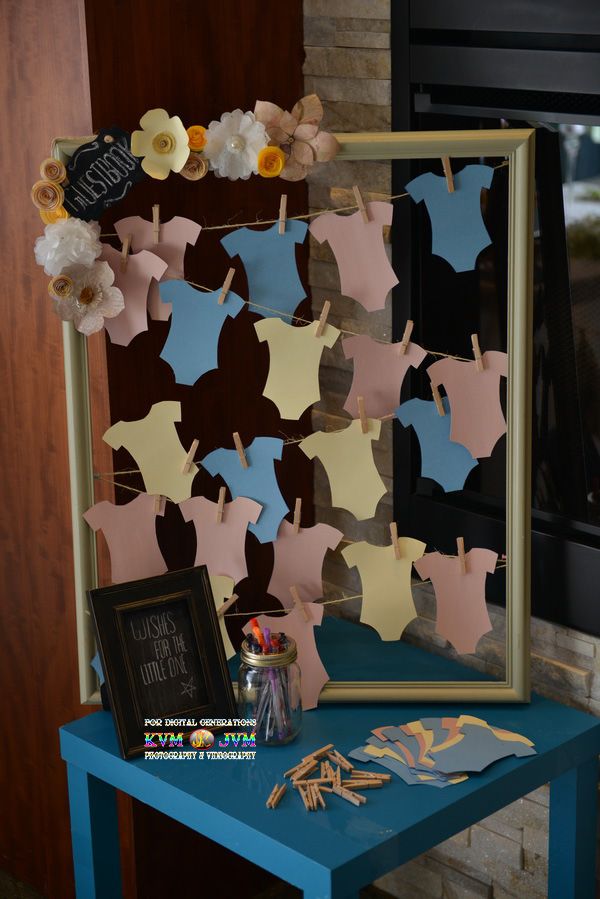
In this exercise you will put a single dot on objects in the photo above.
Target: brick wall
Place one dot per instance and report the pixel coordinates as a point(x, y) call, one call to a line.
point(348, 65)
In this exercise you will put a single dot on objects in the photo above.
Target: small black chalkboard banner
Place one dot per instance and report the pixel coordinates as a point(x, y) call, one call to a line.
point(162, 654)
point(100, 174)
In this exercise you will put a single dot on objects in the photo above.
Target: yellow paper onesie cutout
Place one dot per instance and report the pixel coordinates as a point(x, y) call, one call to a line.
point(387, 604)
point(347, 457)
point(295, 356)
point(154, 443)
point(222, 589)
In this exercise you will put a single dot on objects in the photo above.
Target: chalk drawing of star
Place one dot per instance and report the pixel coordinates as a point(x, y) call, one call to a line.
point(188, 687)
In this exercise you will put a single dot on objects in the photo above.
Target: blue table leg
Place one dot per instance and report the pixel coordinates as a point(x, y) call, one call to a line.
point(572, 844)
point(95, 836)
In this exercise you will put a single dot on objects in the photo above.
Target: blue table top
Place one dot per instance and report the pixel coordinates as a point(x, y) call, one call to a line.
point(226, 799)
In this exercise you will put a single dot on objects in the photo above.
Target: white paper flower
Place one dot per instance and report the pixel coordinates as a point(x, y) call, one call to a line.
point(68, 242)
point(93, 298)
point(233, 145)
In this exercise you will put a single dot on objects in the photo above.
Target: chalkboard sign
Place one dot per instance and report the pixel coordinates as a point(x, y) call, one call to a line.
point(100, 174)
point(162, 654)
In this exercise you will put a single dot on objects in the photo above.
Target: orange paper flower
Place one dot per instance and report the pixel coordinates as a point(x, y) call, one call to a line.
point(271, 161)
point(50, 216)
point(197, 137)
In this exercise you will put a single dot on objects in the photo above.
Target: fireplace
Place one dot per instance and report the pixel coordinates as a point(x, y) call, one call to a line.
point(478, 65)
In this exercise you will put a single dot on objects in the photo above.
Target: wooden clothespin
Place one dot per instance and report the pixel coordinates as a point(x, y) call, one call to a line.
point(394, 536)
point(221, 504)
point(477, 352)
point(448, 173)
point(460, 545)
point(227, 605)
point(437, 400)
point(361, 204)
point(156, 222)
point(226, 286)
point(406, 337)
point(297, 514)
point(299, 604)
point(189, 459)
point(323, 319)
point(364, 421)
point(282, 213)
point(240, 448)
point(125, 251)
point(159, 504)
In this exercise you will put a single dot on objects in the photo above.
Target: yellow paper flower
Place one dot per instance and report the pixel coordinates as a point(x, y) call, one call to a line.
point(50, 216)
point(271, 161)
point(53, 170)
point(47, 195)
point(196, 137)
point(163, 143)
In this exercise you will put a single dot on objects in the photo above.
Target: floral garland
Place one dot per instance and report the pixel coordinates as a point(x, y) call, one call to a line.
point(269, 142)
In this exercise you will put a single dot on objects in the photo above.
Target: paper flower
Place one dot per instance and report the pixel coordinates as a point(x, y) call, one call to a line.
point(195, 168)
point(53, 170)
point(92, 297)
point(271, 161)
point(163, 143)
point(196, 137)
point(233, 145)
point(298, 135)
point(68, 242)
point(50, 216)
point(47, 195)
point(61, 287)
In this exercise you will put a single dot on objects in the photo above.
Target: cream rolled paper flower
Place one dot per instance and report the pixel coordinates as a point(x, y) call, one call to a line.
point(163, 143)
point(233, 145)
point(92, 298)
point(68, 242)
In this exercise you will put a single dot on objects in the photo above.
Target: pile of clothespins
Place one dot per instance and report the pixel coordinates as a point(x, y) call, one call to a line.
point(329, 780)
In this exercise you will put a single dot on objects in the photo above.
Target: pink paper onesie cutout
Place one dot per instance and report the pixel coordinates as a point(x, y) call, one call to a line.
point(130, 533)
point(134, 283)
point(221, 545)
point(174, 236)
point(477, 418)
point(298, 561)
point(313, 673)
point(365, 271)
point(462, 617)
point(379, 370)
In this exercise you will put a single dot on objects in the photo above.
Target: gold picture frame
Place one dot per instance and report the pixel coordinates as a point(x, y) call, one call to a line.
point(517, 147)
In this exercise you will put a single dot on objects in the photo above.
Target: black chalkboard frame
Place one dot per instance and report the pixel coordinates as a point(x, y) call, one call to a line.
point(109, 608)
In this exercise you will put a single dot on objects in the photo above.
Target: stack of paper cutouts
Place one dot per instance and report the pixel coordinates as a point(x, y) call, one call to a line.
point(440, 752)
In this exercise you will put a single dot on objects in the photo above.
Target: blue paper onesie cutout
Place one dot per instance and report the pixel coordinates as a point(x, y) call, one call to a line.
point(458, 233)
point(97, 666)
point(442, 460)
point(270, 262)
point(258, 481)
point(196, 321)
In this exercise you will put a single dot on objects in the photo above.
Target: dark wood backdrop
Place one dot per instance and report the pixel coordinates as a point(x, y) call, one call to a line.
point(196, 59)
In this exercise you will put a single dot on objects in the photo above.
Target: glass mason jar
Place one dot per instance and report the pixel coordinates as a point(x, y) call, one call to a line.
point(269, 691)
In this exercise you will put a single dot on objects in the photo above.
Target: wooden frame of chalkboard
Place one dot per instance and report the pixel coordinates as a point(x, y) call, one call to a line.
point(162, 654)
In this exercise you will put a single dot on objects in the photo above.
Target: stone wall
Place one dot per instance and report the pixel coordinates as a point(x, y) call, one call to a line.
point(348, 65)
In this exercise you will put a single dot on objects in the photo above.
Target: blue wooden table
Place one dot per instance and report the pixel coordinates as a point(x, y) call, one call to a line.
point(332, 854)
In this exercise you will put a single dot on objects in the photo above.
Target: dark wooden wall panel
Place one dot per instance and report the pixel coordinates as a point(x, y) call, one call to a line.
point(44, 93)
point(198, 60)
